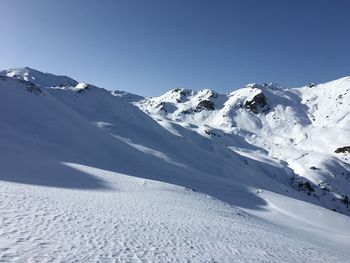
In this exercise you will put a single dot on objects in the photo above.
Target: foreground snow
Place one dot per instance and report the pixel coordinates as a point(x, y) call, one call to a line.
point(85, 175)
point(143, 220)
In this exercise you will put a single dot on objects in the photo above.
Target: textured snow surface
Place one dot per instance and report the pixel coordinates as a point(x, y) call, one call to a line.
point(140, 220)
point(86, 175)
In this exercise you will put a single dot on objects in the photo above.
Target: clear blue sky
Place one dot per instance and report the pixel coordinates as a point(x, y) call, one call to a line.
point(148, 47)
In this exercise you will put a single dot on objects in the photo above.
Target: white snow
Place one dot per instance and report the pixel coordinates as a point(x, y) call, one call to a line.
point(39, 78)
point(302, 127)
point(85, 175)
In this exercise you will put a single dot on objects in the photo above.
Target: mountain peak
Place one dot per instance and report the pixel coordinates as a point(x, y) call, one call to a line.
point(39, 78)
point(269, 85)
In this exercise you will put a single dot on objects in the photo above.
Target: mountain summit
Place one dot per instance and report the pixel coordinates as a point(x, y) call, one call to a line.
point(39, 78)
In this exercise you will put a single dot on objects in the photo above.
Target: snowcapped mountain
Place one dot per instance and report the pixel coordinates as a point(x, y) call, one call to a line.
point(39, 78)
point(190, 175)
point(301, 127)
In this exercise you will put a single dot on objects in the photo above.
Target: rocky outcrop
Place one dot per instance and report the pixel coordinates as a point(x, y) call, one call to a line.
point(257, 104)
point(181, 94)
point(345, 149)
point(205, 105)
point(34, 89)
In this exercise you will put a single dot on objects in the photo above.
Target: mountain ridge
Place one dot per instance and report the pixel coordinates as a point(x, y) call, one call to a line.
point(268, 116)
point(216, 175)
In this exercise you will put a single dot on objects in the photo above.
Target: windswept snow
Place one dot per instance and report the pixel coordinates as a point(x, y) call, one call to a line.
point(39, 78)
point(141, 220)
point(86, 175)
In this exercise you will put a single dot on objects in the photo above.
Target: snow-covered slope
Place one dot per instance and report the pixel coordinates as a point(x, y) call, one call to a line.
point(86, 175)
point(39, 78)
point(300, 127)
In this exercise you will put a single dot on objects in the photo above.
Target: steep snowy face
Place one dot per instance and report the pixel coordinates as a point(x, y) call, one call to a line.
point(242, 108)
point(307, 128)
point(250, 98)
point(328, 103)
point(181, 102)
point(39, 78)
point(127, 96)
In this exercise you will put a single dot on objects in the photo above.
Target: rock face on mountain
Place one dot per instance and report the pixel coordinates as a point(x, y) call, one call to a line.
point(257, 104)
point(205, 105)
point(345, 149)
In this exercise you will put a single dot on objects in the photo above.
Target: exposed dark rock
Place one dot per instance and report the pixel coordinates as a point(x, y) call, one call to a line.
point(211, 133)
point(186, 112)
point(162, 106)
point(301, 184)
point(305, 186)
point(324, 187)
point(205, 105)
point(257, 103)
point(314, 168)
point(345, 149)
point(183, 94)
point(181, 91)
point(311, 85)
point(34, 89)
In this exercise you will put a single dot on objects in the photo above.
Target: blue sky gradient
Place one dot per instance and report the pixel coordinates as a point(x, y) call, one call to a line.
point(149, 47)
